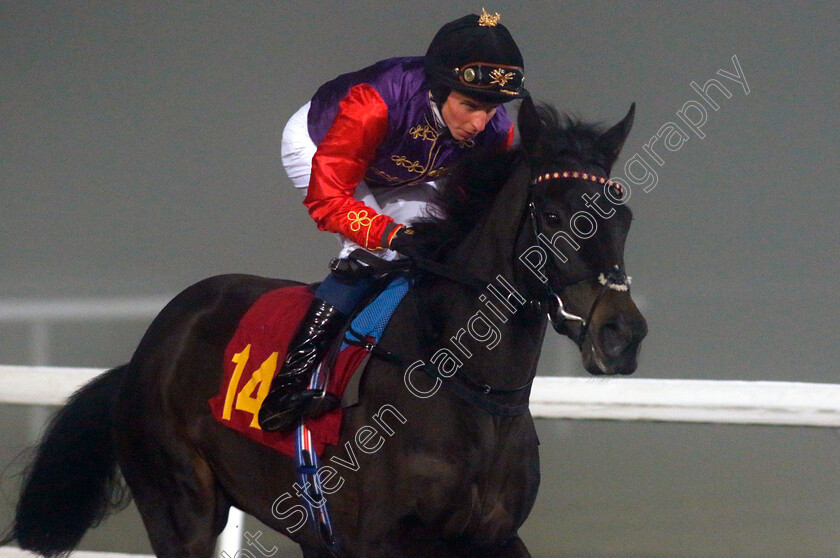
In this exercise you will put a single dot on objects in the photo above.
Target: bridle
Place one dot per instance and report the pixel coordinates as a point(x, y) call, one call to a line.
point(551, 302)
point(613, 279)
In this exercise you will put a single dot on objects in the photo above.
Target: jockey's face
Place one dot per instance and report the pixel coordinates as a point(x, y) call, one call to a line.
point(466, 116)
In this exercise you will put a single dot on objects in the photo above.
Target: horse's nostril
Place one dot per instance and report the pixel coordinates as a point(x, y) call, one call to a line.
point(615, 337)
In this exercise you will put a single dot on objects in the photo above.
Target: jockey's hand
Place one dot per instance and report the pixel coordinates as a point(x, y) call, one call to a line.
point(404, 242)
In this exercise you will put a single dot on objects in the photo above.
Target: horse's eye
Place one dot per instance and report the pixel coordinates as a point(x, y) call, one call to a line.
point(552, 218)
point(617, 190)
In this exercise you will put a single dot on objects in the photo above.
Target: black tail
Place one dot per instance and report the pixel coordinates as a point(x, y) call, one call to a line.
point(73, 481)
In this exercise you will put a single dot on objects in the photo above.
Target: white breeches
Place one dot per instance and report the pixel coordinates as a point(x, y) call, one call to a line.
point(403, 204)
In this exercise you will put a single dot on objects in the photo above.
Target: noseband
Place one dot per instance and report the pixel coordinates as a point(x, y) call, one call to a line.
point(614, 279)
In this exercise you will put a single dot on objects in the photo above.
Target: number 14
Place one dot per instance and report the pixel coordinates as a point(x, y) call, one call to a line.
point(260, 382)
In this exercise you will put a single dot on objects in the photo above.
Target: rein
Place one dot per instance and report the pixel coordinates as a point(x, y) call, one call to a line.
point(460, 383)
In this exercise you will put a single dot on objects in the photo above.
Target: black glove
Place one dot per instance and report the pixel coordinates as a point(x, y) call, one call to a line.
point(404, 242)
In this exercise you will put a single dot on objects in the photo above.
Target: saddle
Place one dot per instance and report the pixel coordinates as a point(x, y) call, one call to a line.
point(258, 347)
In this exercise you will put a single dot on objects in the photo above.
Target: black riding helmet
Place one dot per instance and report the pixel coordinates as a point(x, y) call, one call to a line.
point(477, 56)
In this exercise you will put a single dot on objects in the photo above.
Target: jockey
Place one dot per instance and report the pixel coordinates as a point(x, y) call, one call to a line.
point(367, 149)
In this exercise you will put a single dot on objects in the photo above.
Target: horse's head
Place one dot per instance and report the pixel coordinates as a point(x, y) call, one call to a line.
point(572, 243)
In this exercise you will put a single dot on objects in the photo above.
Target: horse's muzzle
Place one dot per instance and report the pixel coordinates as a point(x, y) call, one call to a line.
point(615, 337)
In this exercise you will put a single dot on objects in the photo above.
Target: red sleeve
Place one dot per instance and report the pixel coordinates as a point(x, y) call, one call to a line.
point(509, 140)
point(340, 163)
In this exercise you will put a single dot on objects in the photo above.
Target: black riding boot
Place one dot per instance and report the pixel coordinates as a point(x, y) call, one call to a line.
point(287, 398)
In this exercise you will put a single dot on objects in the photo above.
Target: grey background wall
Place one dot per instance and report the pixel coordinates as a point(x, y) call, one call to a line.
point(139, 153)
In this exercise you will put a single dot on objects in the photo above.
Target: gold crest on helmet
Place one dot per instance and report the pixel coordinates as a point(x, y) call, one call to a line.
point(487, 20)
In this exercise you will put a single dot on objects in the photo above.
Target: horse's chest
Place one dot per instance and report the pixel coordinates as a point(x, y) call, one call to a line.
point(484, 502)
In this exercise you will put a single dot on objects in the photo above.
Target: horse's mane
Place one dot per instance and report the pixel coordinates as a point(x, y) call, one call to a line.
point(463, 198)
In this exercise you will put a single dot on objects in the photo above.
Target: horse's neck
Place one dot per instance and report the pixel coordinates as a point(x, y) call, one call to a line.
point(497, 338)
point(495, 327)
point(488, 250)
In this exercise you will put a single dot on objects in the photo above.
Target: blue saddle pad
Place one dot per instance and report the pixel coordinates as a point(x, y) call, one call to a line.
point(372, 320)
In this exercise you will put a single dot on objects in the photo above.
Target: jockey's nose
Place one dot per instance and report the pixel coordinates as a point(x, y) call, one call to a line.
point(480, 121)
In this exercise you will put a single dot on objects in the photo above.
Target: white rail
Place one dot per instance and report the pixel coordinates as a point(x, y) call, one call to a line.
point(43, 387)
point(628, 399)
point(13, 310)
point(702, 401)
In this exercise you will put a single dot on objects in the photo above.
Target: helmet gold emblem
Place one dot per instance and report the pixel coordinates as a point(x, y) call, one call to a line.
point(500, 78)
point(487, 20)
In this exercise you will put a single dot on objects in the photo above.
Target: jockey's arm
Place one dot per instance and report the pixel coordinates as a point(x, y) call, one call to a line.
point(340, 163)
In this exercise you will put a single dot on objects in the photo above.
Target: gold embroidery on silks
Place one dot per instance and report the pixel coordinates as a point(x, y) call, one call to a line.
point(359, 219)
point(424, 132)
point(367, 234)
point(437, 173)
point(385, 175)
point(411, 166)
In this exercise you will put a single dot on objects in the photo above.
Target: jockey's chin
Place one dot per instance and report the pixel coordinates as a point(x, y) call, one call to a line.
point(461, 135)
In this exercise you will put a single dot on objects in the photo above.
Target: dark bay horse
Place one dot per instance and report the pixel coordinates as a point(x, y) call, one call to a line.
point(439, 457)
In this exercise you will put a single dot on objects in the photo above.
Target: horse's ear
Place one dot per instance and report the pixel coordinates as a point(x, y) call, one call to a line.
point(611, 141)
point(530, 124)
